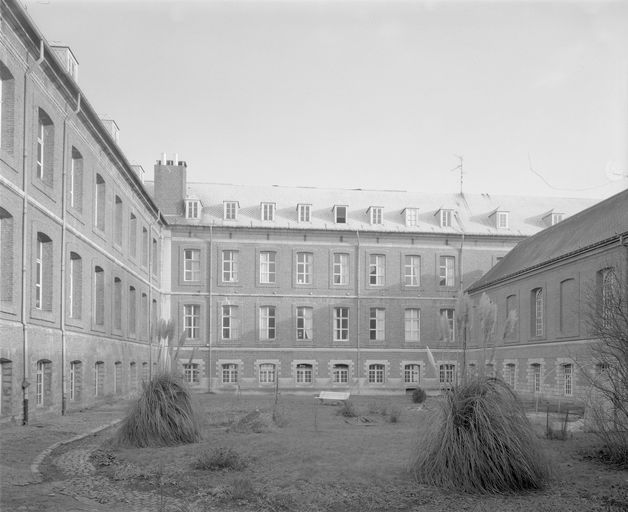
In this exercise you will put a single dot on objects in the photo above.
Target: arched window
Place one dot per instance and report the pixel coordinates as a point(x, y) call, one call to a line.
point(6, 256)
point(537, 316)
point(44, 166)
point(43, 272)
point(99, 203)
point(75, 182)
point(7, 109)
point(99, 296)
point(75, 286)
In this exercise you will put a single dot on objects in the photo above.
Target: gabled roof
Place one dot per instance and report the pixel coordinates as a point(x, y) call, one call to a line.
point(602, 221)
point(472, 210)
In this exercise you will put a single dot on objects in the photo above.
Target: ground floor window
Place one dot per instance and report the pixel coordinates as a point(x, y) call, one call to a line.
point(145, 369)
point(191, 373)
point(376, 373)
point(76, 379)
point(304, 374)
point(340, 373)
point(99, 378)
point(229, 373)
point(447, 373)
point(412, 374)
point(509, 377)
point(133, 375)
point(6, 386)
point(117, 378)
point(43, 383)
point(536, 378)
point(266, 373)
point(568, 379)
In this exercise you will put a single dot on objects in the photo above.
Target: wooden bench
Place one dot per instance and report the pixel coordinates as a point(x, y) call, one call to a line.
point(335, 396)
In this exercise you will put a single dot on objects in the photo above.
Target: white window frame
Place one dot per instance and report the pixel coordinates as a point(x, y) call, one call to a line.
point(267, 211)
point(230, 322)
point(340, 219)
point(340, 373)
point(340, 268)
point(229, 373)
point(377, 215)
point(304, 212)
point(267, 323)
point(230, 210)
point(191, 265)
point(539, 313)
point(446, 218)
point(74, 367)
point(192, 321)
point(412, 325)
point(412, 373)
point(412, 270)
point(39, 275)
point(377, 324)
point(304, 373)
point(41, 138)
point(267, 373)
point(341, 323)
point(567, 371)
point(267, 267)
point(556, 218)
point(304, 267)
point(304, 323)
point(451, 321)
point(39, 383)
point(536, 377)
point(446, 373)
point(192, 208)
point(191, 373)
point(501, 220)
point(447, 271)
point(377, 269)
point(510, 376)
point(412, 217)
point(230, 266)
point(377, 373)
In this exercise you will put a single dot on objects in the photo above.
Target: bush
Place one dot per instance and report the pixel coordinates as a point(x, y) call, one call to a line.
point(162, 416)
point(419, 396)
point(241, 489)
point(348, 410)
point(220, 458)
point(393, 414)
point(480, 441)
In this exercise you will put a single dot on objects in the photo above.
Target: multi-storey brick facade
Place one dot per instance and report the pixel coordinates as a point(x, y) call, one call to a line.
point(316, 288)
point(544, 291)
point(79, 236)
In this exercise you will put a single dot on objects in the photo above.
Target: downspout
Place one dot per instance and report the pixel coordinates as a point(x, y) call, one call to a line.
point(149, 312)
point(64, 254)
point(462, 305)
point(357, 295)
point(25, 174)
point(208, 369)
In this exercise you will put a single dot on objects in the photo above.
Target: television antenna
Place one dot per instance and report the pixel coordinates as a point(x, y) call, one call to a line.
point(460, 168)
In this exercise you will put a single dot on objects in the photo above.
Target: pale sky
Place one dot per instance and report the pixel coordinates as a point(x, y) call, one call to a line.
point(362, 94)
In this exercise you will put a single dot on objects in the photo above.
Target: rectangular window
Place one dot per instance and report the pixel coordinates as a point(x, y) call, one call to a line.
point(75, 286)
point(412, 374)
point(117, 303)
point(377, 264)
point(340, 374)
point(447, 274)
point(132, 310)
point(304, 323)
point(502, 220)
point(509, 377)
point(445, 218)
point(266, 267)
point(340, 213)
point(117, 231)
point(537, 312)
point(144, 246)
point(230, 323)
point(39, 274)
point(191, 265)
point(192, 320)
point(40, 147)
point(99, 203)
point(192, 209)
point(229, 373)
point(75, 183)
point(304, 268)
point(376, 373)
point(229, 266)
point(448, 324)
point(412, 270)
point(341, 324)
point(99, 296)
point(268, 211)
point(133, 235)
point(536, 378)
point(568, 379)
point(412, 322)
point(377, 324)
point(75, 380)
point(304, 374)
point(191, 373)
point(377, 215)
point(266, 373)
point(267, 322)
point(412, 217)
point(447, 373)
point(230, 210)
point(341, 268)
point(304, 212)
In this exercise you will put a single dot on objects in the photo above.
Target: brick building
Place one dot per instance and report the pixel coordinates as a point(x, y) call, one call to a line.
point(315, 288)
point(544, 289)
point(80, 237)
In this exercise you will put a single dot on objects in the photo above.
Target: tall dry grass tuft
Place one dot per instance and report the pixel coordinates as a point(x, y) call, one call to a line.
point(163, 415)
point(480, 441)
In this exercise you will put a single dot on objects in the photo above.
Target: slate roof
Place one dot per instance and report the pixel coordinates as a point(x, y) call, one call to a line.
point(602, 221)
point(472, 211)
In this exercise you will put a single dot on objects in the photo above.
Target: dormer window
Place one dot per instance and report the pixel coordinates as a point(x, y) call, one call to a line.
point(446, 218)
point(377, 214)
point(192, 209)
point(340, 214)
point(304, 212)
point(501, 220)
point(553, 218)
point(267, 211)
point(412, 216)
point(230, 210)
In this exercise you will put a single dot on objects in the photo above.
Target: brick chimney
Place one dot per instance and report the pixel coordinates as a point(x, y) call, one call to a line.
point(170, 185)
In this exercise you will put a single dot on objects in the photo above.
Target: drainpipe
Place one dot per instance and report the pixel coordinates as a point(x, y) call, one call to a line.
point(357, 293)
point(25, 175)
point(64, 184)
point(208, 369)
point(464, 325)
point(149, 308)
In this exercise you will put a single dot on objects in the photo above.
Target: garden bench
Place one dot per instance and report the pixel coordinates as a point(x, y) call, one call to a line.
point(337, 396)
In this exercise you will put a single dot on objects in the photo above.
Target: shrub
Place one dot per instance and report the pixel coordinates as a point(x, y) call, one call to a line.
point(393, 414)
point(241, 489)
point(348, 410)
point(162, 416)
point(419, 396)
point(480, 441)
point(221, 458)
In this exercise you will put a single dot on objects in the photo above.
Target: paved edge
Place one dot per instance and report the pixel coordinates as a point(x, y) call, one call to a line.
point(39, 459)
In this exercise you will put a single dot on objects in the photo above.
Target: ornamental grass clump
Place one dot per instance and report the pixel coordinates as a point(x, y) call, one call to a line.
point(480, 441)
point(162, 416)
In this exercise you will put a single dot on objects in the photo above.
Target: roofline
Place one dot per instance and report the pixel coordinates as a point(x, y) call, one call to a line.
point(621, 237)
point(75, 95)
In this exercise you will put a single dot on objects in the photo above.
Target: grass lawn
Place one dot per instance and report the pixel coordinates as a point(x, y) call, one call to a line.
point(318, 460)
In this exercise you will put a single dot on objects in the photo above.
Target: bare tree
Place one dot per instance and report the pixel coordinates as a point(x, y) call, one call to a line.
point(607, 318)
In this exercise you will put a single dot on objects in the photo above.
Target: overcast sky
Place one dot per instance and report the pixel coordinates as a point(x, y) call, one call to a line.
point(351, 94)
